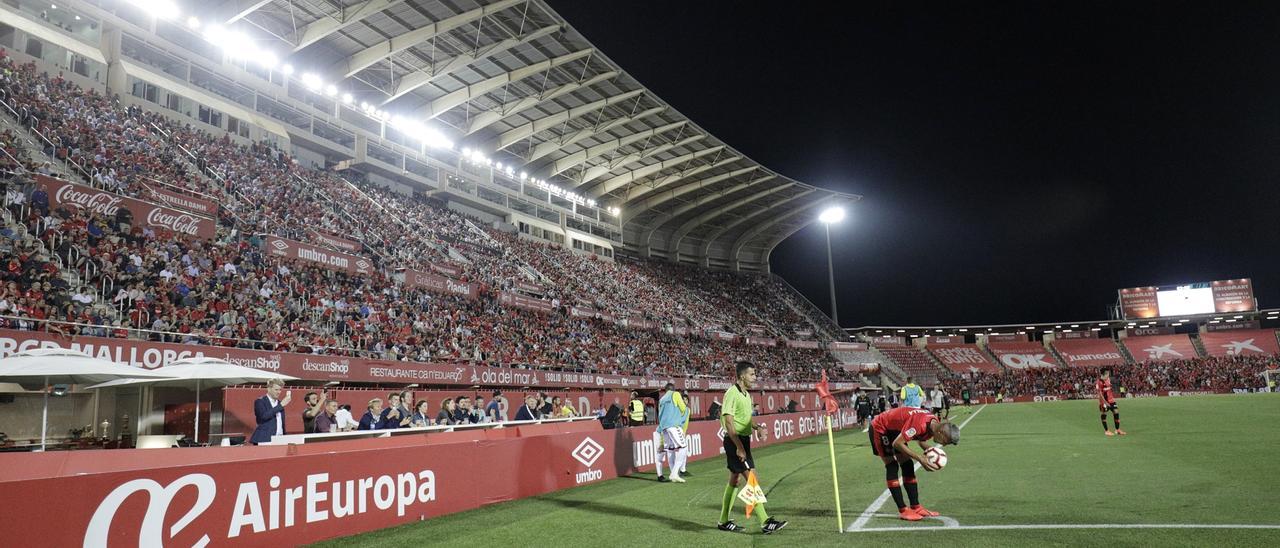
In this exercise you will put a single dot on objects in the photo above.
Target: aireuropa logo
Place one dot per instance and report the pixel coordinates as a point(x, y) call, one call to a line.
point(158, 497)
point(587, 453)
point(313, 500)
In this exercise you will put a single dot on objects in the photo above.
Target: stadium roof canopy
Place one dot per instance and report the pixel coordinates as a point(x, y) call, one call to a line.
point(512, 79)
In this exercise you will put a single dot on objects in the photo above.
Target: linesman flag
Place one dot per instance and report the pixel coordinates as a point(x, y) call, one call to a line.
point(752, 494)
point(824, 392)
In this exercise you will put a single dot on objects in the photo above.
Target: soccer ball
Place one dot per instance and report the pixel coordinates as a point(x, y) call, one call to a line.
point(936, 456)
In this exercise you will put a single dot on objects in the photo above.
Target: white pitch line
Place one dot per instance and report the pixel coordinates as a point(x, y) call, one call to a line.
point(866, 515)
point(1072, 526)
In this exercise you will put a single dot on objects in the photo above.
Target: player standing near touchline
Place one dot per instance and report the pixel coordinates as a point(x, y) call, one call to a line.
point(891, 432)
point(736, 420)
point(1107, 400)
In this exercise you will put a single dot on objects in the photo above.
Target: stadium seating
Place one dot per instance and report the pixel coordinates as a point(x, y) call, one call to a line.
point(914, 362)
point(75, 272)
point(1157, 348)
point(1209, 374)
point(1243, 342)
point(1022, 355)
point(1089, 352)
point(963, 358)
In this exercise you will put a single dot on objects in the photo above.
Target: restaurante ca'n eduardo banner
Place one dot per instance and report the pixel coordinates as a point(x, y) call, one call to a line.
point(315, 367)
point(108, 204)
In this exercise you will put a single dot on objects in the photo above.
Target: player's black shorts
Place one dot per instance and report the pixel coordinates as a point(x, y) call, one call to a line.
point(1112, 407)
point(882, 444)
point(863, 414)
point(735, 464)
point(936, 411)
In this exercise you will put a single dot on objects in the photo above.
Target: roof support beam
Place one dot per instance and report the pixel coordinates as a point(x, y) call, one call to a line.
point(447, 101)
point(637, 174)
point(365, 58)
point(636, 191)
point(322, 27)
point(752, 232)
point(486, 119)
point(631, 211)
point(586, 154)
point(235, 10)
point(717, 233)
point(595, 172)
point(673, 240)
point(517, 133)
point(552, 145)
point(415, 80)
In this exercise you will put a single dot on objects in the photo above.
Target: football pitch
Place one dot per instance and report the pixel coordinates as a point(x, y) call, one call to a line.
point(1197, 470)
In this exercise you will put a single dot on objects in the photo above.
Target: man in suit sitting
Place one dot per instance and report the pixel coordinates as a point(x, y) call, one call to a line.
point(269, 411)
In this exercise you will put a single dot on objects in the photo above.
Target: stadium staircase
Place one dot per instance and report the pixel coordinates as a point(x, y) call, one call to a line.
point(1124, 351)
point(31, 142)
point(994, 358)
point(797, 302)
point(1053, 349)
point(1199, 345)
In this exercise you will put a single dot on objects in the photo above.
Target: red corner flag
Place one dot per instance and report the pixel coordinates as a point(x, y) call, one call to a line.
point(824, 392)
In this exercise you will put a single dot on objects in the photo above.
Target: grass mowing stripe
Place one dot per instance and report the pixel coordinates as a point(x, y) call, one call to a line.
point(871, 510)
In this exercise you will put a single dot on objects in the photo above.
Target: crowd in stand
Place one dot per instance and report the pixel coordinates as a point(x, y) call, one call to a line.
point(111, 276)
point(1208, 374)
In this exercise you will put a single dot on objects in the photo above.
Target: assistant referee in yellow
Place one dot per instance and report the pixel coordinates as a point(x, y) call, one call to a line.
point(738, 426)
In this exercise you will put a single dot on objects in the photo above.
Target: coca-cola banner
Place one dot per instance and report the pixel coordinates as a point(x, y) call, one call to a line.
point(335, 242)
point(948, 339)
point(847, 346)
point(756, 329)
point(1160, 348)
point(721, 335)
point(323, 256)
point(1089, 352)
point(1022, 355)
point(1234, 326)
point(447, 269)
point(964, 358)
point(183, 201)
point(1233, 296)
point(762, 341)
point(297, 494)
point(888, 340)
point(1007, 338)
point(1087, 334)
point(791, 343)
point(440, 284)
point(582, 312)
point(1241, 343)
point(507, 298)
point(804, 333)
point(163, 219)
point(1139, 303)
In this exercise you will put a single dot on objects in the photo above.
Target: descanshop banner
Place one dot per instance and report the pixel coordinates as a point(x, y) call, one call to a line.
point(296, 494)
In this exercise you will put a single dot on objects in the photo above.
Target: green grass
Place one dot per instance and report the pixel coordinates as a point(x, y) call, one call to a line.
point(1193, 460)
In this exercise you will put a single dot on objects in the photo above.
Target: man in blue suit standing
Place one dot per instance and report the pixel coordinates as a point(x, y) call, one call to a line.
point(269, 411)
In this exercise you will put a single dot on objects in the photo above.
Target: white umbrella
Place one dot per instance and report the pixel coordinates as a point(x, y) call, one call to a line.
point(63, 366)
point(203, 371)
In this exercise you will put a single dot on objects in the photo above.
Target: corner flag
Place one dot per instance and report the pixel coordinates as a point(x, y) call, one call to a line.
point(831, 407)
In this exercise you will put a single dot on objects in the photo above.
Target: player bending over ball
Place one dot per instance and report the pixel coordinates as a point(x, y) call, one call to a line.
point(1107, 401)
point(736, 419)
point(890, 433)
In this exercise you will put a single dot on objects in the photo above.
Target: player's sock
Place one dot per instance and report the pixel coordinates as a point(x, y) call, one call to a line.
point(909, 479)
point(1104, 421)
point(760, 513)
point(657, 461)
point(726, 504)
point(891, 480)
point(1115, 417)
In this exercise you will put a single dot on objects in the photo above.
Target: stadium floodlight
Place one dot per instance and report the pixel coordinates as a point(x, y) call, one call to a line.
point(832, 215)
point(828, 217)
point(287, 70)
point(347, 98)
point(267, 59)
point(331, 90)
point(312, 81)
point(193, 22)
point(524, 175)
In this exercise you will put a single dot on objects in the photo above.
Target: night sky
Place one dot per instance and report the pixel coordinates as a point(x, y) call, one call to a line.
point(1018, 163)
